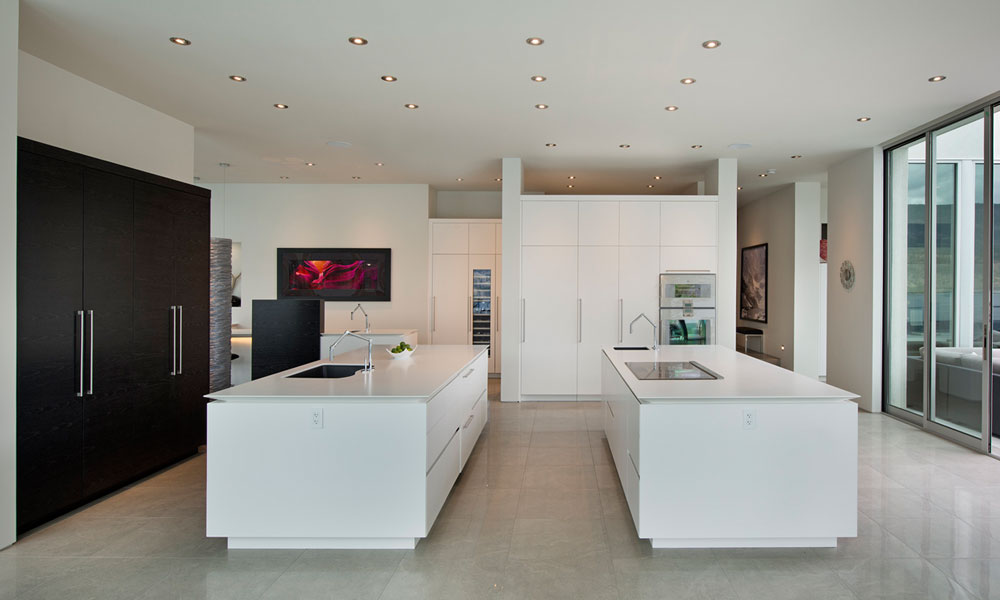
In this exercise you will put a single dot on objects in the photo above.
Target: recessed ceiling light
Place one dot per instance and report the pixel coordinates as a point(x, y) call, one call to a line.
point(864, 119)
point(550, 145)
point(570, 185)
point(459, 179)
point(378, 164)
point(650, 185)
point(281, 106)
point(541, 106)
point(671, 108)
point(796, 156)
point(534, 41)
point(657, 177)
point(389, 78)
point(624, 145)
point(739, 188)
point(336, 144)
point(180, 41)
point(538, 78)
point(762, 175)
point(696, 147)
point(355, 177)
point(284, 177)
point(687, 81)
point(711, 44)
point(937, 78)
point(498, 179)
point(239, 78)
point(357, 41)
point(571, 177)
point(310, 164)
point(411, 106)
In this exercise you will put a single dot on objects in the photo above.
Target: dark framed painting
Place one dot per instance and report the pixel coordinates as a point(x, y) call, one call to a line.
point(335, 274)
point(753, 283)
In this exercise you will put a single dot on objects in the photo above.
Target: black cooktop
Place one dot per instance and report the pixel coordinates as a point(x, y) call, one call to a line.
point(689, 370)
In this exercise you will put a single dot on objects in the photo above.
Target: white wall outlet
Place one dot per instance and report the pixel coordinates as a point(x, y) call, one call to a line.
point(749, 418)
point(316, 420)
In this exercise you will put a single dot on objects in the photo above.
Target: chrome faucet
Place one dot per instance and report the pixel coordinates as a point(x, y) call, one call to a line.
point(656, 338)
point(369, 365)
point(357, 308)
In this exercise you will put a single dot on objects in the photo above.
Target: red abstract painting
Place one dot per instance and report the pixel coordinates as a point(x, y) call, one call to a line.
point(330, 275)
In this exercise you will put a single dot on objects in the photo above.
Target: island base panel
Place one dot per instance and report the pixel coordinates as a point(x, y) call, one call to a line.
point(268, 543)
point(823, 542)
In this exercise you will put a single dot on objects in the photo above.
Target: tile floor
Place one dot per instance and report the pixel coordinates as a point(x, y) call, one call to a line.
point(539, 513)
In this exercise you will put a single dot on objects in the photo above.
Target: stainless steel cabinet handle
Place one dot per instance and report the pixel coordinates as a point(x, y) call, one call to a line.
point(470, 314)
point(79, 314)
point(469, 372)
point(579, 320)
point(180, 340)
point(620, 325)
point(433, 313)
point(90, 388)
point(496, 315)
point(522, 320)
point(467, 423)
point(173, 333)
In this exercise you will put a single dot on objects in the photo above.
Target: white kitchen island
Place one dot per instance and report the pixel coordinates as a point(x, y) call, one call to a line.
point(365, 461)
point(762, 457)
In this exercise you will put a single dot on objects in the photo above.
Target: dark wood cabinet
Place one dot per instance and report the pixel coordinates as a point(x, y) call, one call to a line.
point(112, 315)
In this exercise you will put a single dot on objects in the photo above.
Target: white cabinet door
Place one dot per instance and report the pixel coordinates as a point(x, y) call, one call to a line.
point(598, 298)
point(499, 237)
point(450, 299)
point(548, 223)
point(598, 224)
point(638, 289)
point(689, 223)
point(482, 238)
point(548, 327)
point(689, 258)
point(450, 238)
point(639, 224)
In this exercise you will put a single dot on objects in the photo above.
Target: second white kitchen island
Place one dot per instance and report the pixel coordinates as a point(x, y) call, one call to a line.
point(364, 461)
point(759, 457)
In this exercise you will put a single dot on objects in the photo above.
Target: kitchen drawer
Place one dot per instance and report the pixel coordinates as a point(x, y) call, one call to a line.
point(441, 478)
point(440, 434)
point(459, 395)
point(472, 427)
point(630, 485)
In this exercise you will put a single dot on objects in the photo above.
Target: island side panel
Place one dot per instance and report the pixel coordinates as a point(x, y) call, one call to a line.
point(706, 475)
point(273, 473)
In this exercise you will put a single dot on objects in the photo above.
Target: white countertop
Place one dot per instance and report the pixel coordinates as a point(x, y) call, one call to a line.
point(375, 332)
point(743, 377)
point(416, 378)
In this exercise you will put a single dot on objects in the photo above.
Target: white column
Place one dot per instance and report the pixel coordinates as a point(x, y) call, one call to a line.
point(721, 181)
point(8, 267)
point(510, 285)
point(806, 326)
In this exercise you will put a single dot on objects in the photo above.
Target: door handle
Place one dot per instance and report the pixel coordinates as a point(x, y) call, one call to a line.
point(470, 314)
point(180, 339)
point(79, 314)
point(433, 313)
point(522, 320)
point(90, 388)
point(173, 333)
point(469, 372)
point(579, 320)
point(468, 422)
point(620, 324)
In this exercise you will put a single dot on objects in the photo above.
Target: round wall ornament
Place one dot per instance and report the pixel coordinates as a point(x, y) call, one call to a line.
point(847, 275)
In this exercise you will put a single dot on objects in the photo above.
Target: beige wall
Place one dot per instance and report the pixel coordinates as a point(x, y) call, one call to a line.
point(8, 267)
point(771, 220)
point(265, 217)
point(854, 317)
point(64, 110)
point(466, 205)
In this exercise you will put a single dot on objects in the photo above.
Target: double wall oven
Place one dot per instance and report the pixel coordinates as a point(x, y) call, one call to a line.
point(687, 309)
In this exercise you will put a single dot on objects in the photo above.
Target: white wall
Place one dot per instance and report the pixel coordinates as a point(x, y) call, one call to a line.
point(265, 217)
point(8, 268)
point(466, 205)
point(64, 110)
point(721, 181)
point(807, 304)
point(771, 220)
point(854, 317)
point(510, 284)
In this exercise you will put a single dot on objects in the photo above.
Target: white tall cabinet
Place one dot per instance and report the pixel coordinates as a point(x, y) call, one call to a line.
point(591, 264)
point(465, 284)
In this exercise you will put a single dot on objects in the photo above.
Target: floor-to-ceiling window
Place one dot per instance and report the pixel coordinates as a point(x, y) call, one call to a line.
point(941, 265)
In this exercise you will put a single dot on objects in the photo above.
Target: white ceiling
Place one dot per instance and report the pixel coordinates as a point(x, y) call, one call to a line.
point(791, 77)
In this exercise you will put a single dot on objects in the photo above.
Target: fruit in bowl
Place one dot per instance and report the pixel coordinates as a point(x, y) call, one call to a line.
point(401, 350)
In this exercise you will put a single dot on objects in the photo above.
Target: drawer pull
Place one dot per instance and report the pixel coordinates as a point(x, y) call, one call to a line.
point(467, 373)
point(469, 422)
point(611, 410)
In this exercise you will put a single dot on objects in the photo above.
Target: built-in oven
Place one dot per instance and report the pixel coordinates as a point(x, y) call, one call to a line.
point(687, 309)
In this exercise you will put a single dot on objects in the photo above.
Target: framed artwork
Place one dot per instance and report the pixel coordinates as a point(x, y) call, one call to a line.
point(753, 283)
point(335, 274)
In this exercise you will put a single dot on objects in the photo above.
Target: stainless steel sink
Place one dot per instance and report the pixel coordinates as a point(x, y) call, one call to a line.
point(327, 372)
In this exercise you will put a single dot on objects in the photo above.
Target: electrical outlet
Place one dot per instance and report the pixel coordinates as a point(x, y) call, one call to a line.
point(749, 418)
point(316, 420)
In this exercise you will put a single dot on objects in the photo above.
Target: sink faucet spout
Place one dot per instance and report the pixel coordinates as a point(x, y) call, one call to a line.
point(369, 364)
point(356, 309)
point(656, 338)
